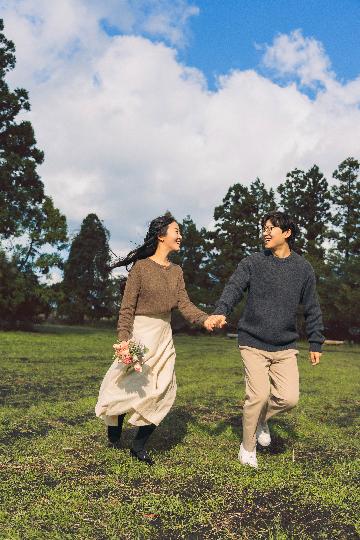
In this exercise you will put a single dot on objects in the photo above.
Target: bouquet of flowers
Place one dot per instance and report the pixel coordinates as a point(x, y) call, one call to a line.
point(130, 353)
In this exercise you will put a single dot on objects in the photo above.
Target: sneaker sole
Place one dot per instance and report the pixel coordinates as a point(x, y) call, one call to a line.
point(245, 463)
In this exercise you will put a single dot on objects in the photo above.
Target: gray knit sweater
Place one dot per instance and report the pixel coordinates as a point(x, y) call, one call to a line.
point(275, 289)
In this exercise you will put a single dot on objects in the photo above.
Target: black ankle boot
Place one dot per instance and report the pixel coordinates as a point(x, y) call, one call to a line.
point(141, 455)
point(114, 432)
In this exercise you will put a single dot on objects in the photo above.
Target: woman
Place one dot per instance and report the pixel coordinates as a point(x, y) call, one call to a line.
point(154, 287)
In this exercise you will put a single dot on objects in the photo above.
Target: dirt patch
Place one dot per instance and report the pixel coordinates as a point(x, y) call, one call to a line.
point(321, 456)
point(262, 513)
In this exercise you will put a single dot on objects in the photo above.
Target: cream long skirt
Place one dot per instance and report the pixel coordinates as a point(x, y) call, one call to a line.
point(149, 395)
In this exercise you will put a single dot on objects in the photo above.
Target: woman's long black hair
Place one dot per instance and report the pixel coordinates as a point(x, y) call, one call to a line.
point(158, 227)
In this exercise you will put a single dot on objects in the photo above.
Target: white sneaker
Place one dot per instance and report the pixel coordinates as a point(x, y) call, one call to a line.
point(263, 434)
point(247, 458)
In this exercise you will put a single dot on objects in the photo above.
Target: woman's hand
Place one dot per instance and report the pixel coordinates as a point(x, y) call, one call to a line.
point(215, 321)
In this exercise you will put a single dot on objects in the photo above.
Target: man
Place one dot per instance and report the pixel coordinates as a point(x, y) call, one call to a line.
point(277, 280)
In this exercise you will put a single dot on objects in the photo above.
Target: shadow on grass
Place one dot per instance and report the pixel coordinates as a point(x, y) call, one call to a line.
point(174, 428)
point(27, 429)
point(279, 441)
point(344, 414)
point(168, 434)
point(24, 394)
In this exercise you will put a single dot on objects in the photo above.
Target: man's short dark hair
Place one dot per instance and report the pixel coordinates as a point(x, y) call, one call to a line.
point(285, 222)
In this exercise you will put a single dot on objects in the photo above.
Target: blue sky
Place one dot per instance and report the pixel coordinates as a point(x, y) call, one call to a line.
point(120, 100)
point(225, 34)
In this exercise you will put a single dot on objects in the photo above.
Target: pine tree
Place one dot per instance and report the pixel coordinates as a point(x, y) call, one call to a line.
point(32, 231)
point(22, 297)
point(26, 213)
point(86, 284)
point(192, 258)
point(237, 226)
point(237, 233)
point(345, 197)
point(306, 197)
point(264, 203)
point(343, 286)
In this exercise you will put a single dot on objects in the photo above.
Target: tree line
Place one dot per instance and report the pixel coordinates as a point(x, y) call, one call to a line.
point(34, 237)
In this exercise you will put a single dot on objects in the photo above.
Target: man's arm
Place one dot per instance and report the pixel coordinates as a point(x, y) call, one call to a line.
point(234, 289)
point(312, 312)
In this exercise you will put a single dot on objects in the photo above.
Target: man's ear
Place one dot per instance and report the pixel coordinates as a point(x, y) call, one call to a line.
point(287, 233)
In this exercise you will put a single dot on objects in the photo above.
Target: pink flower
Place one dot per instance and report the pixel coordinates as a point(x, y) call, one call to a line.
point(137, 367)
point(117, 346)
point(127, 360)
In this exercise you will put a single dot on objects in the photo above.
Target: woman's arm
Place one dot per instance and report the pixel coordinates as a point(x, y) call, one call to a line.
point(128, 304)
point(191, 313)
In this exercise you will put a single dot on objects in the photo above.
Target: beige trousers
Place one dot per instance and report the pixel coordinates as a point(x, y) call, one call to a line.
point(272, 386)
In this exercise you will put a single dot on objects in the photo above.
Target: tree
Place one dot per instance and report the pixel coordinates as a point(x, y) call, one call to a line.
point(237, 230)
point(192, 258)
point(22, 297)
point(264, 203)
point(345, 197)
point(26, 213)
point(306, 197)
point(343, 287)
point(234, 235)
point(237, 233)
point(86, 282)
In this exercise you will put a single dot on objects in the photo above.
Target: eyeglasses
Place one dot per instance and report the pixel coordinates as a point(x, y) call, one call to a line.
point(268, 229)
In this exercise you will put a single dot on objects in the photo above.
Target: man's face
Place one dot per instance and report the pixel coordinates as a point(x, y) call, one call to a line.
point(273, 236)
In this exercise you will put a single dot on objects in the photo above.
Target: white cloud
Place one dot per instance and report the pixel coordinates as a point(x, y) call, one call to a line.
point(129, 132)
point(167, 19)
point(294, 54)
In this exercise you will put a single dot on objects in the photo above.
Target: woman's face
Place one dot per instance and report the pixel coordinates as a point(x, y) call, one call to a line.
point(173, 237)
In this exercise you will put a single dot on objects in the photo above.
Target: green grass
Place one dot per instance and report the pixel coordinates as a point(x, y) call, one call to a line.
point(60, 480)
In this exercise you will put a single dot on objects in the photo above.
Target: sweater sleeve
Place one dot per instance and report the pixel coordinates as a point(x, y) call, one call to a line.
point(234, 289)
point(312, 312)
point(128, 304)
point(191, 313)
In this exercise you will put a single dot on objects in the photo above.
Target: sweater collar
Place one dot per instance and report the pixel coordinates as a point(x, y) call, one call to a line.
point(279, 260)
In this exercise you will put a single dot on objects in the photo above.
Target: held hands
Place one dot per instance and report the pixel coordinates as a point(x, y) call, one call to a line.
point(314, 357)
point(215, 321)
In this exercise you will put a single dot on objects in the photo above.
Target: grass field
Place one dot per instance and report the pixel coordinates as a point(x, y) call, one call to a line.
point(60, 480)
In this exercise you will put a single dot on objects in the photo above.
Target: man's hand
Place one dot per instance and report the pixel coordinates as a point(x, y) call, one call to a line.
point(314, 357)
point(215, 321)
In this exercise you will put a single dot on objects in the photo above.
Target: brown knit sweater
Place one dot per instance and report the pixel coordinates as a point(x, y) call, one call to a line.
point(152, 289)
